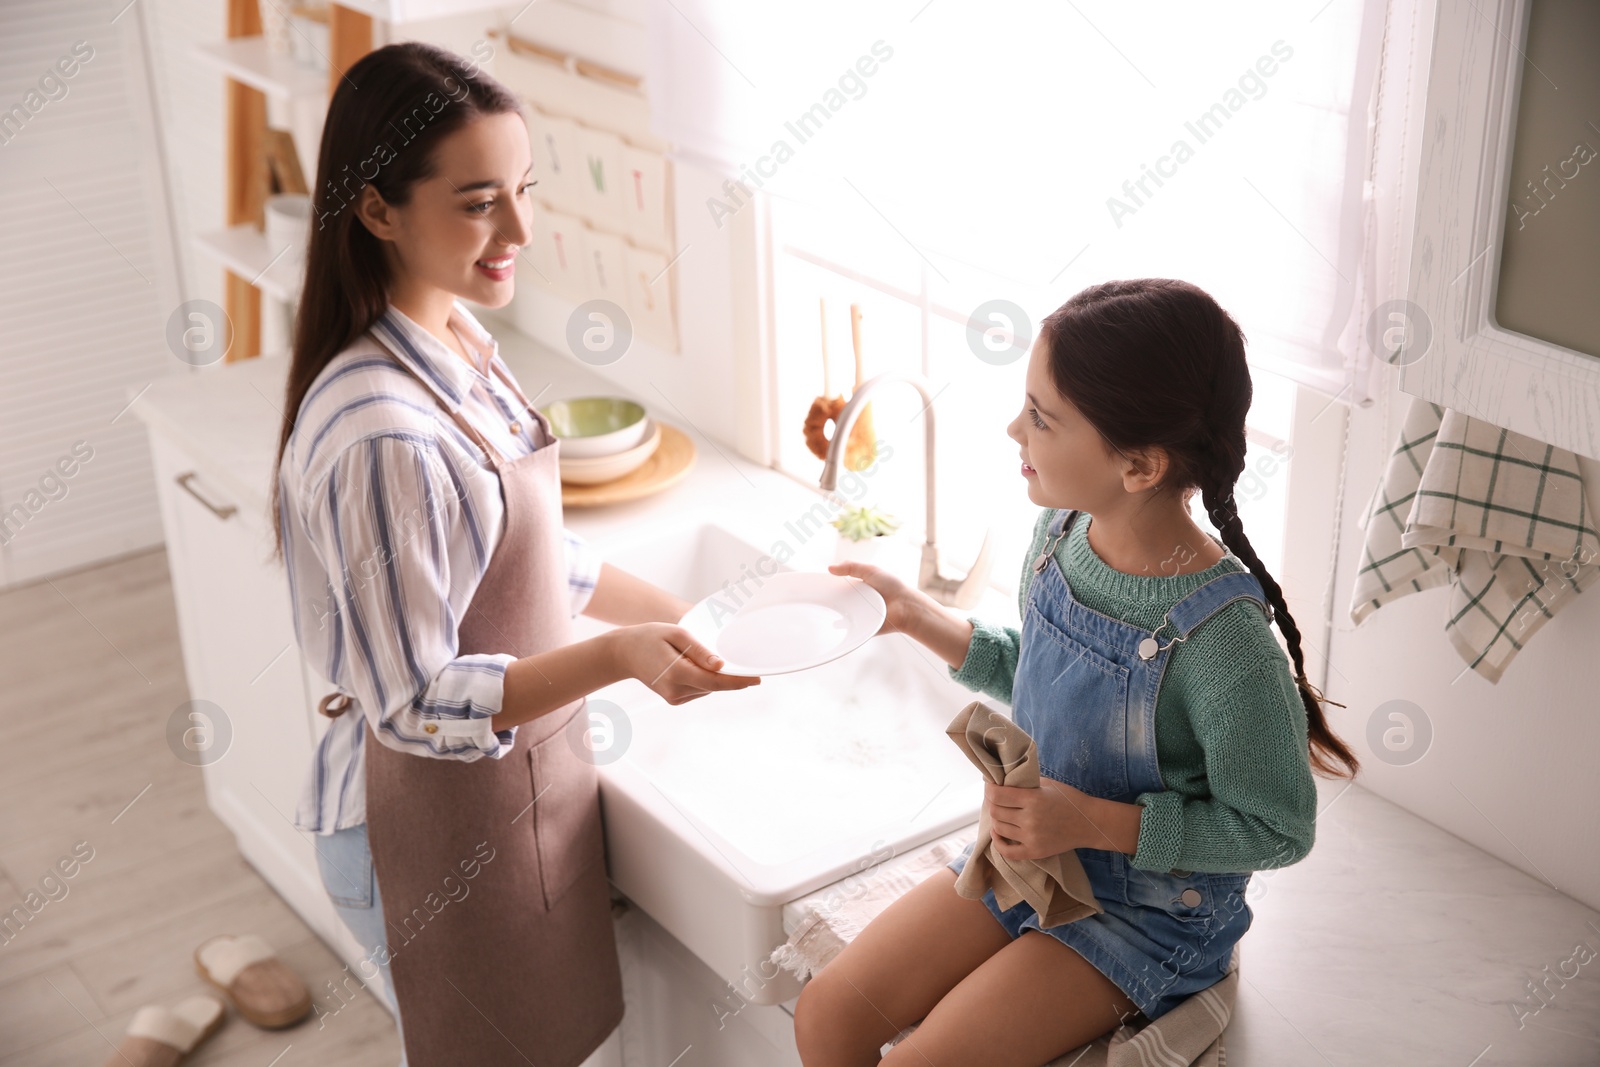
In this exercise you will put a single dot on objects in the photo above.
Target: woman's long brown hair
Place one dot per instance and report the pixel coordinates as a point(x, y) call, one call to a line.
point(1155, 362)
point(386, 118)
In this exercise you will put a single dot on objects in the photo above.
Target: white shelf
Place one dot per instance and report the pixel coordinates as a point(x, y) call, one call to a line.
point(244, 250)
point(247, 60)
point(413, 10)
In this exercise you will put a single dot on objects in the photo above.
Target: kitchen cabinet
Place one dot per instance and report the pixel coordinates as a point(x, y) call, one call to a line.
point(1501, 322)
point(241, 660)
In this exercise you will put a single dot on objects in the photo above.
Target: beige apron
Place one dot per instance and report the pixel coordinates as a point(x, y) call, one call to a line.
point(518, 964)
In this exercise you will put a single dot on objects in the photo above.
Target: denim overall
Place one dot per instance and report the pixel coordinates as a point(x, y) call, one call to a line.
point(1085, 690)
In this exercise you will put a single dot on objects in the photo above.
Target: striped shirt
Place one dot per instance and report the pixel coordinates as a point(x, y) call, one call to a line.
point(390, 517)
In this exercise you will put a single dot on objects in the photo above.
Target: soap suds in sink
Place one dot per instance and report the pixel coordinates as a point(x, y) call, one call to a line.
point(803, 760)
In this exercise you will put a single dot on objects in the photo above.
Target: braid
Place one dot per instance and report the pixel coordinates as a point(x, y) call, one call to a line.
point(1157, 363)
point(1222, 466)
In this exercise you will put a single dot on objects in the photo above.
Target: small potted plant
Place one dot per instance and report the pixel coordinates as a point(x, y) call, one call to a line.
point(861, 531)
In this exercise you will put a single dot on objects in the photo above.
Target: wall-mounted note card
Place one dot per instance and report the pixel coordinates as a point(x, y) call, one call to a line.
point(601, 163)
point(557, 163)
point(649, 291)
point(561, 240)
point(644, 198)
point(603, 266)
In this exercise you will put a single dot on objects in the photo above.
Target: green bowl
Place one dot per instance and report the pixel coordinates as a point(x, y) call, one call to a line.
point(594, 426)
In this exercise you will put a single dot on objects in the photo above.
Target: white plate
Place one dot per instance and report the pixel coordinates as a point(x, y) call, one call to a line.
point(792, 621)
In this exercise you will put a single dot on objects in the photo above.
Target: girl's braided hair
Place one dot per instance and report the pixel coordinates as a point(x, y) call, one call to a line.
point(1156, 362)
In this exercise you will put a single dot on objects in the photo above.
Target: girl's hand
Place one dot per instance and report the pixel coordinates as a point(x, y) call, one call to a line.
point(900, 600)
point(1034, 824)
point(671, 663)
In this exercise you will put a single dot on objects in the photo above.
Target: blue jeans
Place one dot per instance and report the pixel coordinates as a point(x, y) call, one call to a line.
point(344, 860)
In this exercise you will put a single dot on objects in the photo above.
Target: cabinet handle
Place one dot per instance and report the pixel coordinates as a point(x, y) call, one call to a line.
point(185, 482)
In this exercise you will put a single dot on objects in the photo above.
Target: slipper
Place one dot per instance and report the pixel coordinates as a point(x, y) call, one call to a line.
point(159, 1037)
point(260, 986)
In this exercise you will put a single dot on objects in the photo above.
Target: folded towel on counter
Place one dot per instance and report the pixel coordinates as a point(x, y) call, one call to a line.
point(821, 925)
point(1497, 515)
point(1056, 887)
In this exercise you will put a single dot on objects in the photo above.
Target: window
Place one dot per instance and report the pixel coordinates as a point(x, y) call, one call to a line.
point(914, 320)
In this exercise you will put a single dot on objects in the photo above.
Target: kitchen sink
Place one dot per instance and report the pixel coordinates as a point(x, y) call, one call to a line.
point(720, 811)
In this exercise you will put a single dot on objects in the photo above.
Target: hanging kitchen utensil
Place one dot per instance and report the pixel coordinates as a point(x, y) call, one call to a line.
point(862, 447)
point(825, 408)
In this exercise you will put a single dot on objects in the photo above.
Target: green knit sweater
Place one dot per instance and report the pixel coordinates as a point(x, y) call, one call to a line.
point(1230, 727)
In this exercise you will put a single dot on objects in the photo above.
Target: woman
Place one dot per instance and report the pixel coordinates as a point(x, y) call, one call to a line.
point(419, 512)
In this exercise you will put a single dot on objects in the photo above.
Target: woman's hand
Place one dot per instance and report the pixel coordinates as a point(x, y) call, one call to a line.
point(671, 663)
point(1033, 824)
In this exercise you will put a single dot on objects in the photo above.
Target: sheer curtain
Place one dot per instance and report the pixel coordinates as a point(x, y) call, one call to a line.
point(1024, 150)
point(927, 159)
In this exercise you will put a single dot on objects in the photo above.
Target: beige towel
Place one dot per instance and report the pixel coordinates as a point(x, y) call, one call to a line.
point(1057, 887)
point(1498, 516)
point(821, 925)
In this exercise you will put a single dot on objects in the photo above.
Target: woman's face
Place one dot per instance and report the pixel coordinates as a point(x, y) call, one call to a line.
point(462, 229)
point(1065, 461)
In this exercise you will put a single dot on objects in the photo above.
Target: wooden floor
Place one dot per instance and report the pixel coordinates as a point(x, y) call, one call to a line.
point(90, 670)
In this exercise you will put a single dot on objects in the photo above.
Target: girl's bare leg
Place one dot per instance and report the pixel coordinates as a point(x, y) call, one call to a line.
point(1025, 1005)
point(893, 973)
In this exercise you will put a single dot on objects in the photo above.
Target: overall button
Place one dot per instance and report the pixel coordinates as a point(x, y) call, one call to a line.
point(1191, 898)
point(516, 427)
point(431, 728)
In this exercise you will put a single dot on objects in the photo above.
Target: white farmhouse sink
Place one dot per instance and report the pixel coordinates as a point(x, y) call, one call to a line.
point(722, 810)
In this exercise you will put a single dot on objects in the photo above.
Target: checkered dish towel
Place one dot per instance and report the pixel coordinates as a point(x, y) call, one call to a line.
point(1497, 515)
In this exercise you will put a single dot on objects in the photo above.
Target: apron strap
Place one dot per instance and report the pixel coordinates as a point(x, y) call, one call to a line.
point(336, 703)
point(496, 458)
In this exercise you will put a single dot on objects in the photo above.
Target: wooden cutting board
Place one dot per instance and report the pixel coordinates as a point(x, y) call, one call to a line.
point(666, 467)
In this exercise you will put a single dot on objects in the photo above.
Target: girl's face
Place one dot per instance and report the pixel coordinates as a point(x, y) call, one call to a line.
point(1065, 461)
point(462, 228)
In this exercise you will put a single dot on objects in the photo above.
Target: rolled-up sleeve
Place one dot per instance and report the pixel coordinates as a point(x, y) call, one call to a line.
point(583, 571)
point(382, 518)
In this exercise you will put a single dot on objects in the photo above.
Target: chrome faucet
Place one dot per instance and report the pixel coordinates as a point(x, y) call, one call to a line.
point(953, 592)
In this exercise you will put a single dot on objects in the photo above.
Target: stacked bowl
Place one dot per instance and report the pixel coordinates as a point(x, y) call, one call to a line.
point(603, 438)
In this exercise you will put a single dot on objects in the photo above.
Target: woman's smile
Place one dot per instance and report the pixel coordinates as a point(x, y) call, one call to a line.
point(499, 268)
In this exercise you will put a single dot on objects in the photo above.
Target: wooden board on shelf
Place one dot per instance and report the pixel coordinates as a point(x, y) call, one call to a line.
point(349, 38)
point(283, 161)
point(246, 193)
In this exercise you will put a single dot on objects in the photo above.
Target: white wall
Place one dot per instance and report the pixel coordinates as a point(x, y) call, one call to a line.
point(87, 287)
point(1510, 766)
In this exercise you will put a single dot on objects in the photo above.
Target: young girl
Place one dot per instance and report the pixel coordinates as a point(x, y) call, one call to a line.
point(433, 583)
point(1175, 744)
